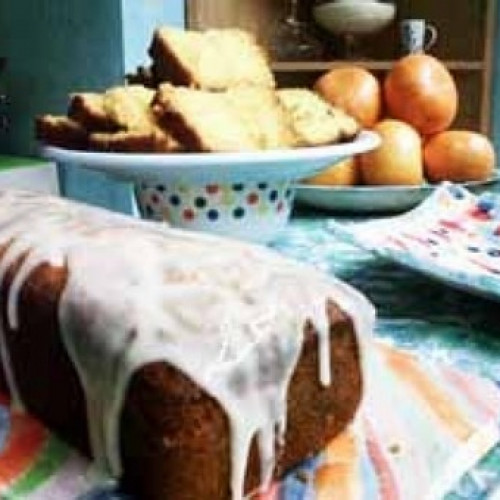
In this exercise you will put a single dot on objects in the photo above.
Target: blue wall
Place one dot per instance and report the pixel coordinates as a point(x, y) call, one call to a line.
point(55, 47)
point(139, 18)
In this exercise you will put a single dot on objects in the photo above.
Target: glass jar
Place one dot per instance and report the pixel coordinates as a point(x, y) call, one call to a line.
point(291, 37)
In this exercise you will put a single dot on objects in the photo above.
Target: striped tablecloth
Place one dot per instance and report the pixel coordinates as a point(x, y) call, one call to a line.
point(421, 427)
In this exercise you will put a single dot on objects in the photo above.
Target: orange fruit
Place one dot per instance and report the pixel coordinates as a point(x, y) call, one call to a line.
point(420, 90)
point(398, 160)
point(353, 89)
point(344, 173)
point(459, 156)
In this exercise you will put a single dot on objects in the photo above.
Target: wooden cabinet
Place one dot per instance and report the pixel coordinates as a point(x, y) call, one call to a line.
point(465, 43)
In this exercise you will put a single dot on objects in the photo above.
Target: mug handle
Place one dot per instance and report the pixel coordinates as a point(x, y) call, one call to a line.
point(432, 31)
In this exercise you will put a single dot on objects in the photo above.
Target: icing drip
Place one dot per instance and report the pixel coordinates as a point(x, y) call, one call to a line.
point(230, 315)
point(9, 372)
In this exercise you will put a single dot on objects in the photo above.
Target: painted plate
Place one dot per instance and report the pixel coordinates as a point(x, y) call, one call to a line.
point(453, 236)
point(374, 199)
point(205, 168)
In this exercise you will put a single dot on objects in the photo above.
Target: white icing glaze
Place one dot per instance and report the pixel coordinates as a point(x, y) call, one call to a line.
point(228, 314)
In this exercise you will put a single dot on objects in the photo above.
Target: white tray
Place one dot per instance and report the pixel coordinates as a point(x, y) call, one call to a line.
point(373, 199)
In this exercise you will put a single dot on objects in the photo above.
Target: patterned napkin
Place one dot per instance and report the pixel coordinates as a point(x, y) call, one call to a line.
point(421, 427)
point(453, 236)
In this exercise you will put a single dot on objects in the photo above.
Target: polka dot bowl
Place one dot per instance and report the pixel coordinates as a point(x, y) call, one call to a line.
point(255, 211)
point(246, 195)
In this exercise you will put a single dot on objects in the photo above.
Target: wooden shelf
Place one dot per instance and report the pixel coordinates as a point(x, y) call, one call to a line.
point(312, 66)
point(465, 44)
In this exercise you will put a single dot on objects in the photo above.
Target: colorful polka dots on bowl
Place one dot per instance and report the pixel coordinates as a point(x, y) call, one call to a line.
point(249, 211)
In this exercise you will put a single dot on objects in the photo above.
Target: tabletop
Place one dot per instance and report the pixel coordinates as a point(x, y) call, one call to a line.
point(414, 313)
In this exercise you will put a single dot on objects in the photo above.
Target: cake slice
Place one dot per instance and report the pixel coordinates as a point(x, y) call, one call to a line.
point(119, 119)
point(248, 117)
point(129, 107)
point(215, 59)
point(314, 121)
point(61, 131)
point(118, 108)
point(262, 112)
point(203, 120)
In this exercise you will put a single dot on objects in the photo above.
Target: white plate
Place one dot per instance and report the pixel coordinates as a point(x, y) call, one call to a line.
point(373, 199)
point(204, 168)
point(452, 236)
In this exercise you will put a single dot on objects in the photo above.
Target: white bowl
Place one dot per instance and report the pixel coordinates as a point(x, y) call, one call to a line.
point(348, 17)
point(245, 195)
point(354, 1)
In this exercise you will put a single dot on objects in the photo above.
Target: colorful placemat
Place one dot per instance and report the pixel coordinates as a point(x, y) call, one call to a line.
point(421, 427)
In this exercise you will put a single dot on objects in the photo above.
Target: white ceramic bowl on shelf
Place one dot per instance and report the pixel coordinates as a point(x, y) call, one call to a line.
point(353, 1)
point(354, 17)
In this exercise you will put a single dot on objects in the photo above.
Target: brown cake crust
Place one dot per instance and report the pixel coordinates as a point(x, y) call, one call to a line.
point(174, 436)
point(87, 109)
point(61, 131)
point(167, 67)
point(148, 141)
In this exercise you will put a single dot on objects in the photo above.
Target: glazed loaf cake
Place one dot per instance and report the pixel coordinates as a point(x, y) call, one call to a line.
point(192, 367)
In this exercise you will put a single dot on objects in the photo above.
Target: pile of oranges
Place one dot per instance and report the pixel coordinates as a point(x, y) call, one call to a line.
point(412, 109)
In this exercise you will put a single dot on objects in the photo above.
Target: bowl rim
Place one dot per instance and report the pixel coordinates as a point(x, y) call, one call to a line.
point(361, 6)
point(232, 166)
point(89, 158)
